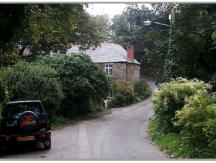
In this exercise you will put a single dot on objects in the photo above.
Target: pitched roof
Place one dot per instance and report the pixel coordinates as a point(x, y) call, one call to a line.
point(107, 52)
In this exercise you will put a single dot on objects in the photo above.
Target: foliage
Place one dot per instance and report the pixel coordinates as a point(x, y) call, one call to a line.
point(171, 97)
point(9, 59)
point(82, 81)
point(124, 88)
point(194, 38)
point(12, 22)
point(150, 42)
point(119, 100)
point(213, 83)
point(175, 144)
point(96, 108)
point(198, 122)
point(123, 94)
point(142, 89)
point(45, 28)
point(4, 96)
point(103, 23)
point(26, 81)
point(171, 64)
point(59, 120)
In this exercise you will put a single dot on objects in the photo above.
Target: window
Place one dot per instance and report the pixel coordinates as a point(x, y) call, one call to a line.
point(108, 70)
point(15, 109)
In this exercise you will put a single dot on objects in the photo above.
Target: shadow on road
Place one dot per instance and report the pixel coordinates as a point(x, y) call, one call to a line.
point(20, 149)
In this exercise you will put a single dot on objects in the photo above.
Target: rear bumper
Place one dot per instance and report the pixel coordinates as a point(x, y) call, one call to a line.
point(13, 139)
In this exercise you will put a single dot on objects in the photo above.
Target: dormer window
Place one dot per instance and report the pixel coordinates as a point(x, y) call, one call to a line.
point(108, 70)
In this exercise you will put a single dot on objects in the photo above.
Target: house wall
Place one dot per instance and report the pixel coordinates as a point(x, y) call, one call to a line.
point(118, 70)
point(123, 71)
point(133, 72)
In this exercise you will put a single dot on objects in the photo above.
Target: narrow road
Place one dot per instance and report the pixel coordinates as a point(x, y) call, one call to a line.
point(121, 135)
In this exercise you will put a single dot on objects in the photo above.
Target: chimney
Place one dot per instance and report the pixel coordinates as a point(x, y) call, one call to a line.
point(130, 51)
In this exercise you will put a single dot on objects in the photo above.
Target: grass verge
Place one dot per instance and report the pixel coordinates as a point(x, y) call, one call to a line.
point(173, 143)
point(59, 121)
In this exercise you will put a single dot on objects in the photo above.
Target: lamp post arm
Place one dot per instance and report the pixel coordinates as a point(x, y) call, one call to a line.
point(161, 24)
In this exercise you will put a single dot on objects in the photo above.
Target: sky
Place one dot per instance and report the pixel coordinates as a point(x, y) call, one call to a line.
point(110, 9)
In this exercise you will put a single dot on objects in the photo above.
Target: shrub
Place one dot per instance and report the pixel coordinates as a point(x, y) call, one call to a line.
point(7, 59)
point(171, 97)
point(213, 83)
point(122, 94)
point(3, 95)
point(82, 80)
point(124, 88)
point(142, 89)
point(30, 82)
point(198, 122)
point(118, 101)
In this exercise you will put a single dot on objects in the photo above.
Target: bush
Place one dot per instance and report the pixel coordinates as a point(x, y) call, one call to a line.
point(82, 80)
point(118, 101)
point(30, 82)
point(175, 143)
point(142, 89)
point(198, 122)
point(124, 88)
point(122, 94)
point(8, 59)
point(3, 95)
point(213, 83)
point(171, 97)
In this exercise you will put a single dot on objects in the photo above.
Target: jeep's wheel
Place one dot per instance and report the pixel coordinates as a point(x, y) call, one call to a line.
point(47, 143)
point(28, 121)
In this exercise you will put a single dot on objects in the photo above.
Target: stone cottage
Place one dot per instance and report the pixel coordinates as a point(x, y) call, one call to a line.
point(116, 62)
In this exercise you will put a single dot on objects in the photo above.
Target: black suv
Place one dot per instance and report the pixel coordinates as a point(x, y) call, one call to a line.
point(25, 121)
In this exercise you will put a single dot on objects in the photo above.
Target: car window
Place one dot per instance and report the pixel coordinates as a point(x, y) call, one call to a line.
point(15, 109)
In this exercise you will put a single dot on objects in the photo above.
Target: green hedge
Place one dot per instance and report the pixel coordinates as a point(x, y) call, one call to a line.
point(26, 81)
point(197, 120)
point(3, 95)
point(171, 97)
point(83, 82)
point(187, 107)
point(123, 94)
point(142, 89)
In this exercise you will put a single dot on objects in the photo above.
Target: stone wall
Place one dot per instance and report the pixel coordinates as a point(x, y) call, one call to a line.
point(123, 71)
point(133, 72)
point(118, 70)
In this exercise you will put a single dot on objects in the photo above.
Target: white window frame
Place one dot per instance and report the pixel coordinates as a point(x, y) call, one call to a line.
point(108, 69)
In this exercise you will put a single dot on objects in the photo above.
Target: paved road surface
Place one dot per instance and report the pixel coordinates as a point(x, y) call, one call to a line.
point(121, 135)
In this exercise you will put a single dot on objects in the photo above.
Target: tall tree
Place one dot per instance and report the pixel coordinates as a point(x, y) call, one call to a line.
point(150, 42)
point(195, 39)
point(192, 41)
point(104, 24)
point(43, 28)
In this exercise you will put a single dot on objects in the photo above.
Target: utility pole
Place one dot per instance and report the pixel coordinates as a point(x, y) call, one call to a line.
point(171, 68)
point(172, 21)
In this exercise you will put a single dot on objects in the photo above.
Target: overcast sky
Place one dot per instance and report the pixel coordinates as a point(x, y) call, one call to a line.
point(110, 9)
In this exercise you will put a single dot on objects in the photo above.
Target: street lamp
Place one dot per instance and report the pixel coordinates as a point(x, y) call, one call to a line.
point(171, 19)
point(148, 22)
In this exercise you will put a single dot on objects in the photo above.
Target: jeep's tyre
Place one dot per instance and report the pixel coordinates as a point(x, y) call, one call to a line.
point(27, 121)
point(47, 143)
